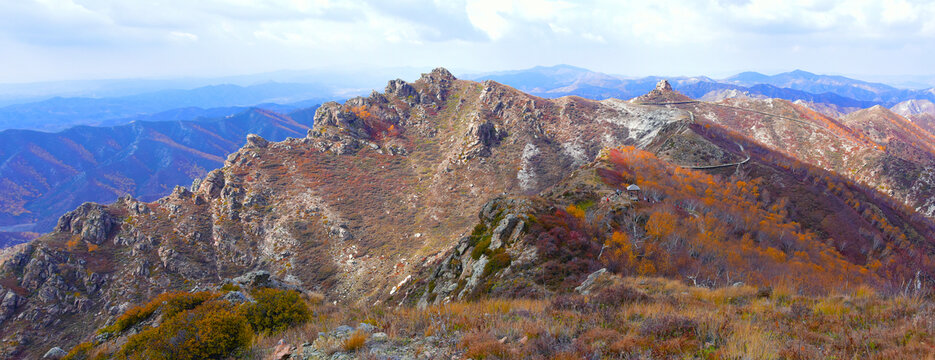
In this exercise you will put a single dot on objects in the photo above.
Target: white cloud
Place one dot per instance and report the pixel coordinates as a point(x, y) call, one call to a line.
point(183, 36)
point(622, 36)
point(488, 15)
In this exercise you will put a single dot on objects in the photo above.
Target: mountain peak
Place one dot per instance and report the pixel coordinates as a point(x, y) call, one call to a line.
point(880, 109)
point(800, 72)
point(437, 75)
point(662, 93)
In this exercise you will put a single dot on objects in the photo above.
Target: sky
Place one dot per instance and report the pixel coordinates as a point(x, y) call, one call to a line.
point(47, 40)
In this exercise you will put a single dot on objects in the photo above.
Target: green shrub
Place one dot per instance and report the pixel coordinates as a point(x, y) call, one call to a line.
point(481, 247)
point(478, 233)
point(185, 301)
point(230, 287)
point(275, 310)
point(214, 330)
point(499, 260)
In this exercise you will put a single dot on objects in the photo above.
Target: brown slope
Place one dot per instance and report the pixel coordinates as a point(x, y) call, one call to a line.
point(924, 120)
point(378, 184)
point(903, 172)
point(771, 221)
point(902, 138)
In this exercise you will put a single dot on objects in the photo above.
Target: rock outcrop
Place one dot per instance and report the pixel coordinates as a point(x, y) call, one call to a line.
point(663, 93)
point(89, 221)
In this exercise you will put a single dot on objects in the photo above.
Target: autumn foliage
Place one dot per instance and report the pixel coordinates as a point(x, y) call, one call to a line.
point(214, 330)
point(376, 127)
point(170, 303)
point(720, 230)
point(275, 310)
point(723, 229)
point(200, 325)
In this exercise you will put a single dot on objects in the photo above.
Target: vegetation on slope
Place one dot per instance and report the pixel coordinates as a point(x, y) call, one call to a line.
point(618, 318)
point(202, 325)
point(645, 317)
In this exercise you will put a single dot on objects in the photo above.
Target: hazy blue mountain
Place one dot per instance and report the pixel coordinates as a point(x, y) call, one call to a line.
point(60, 113)
point(878, 93)
point(842, 92)
point(43, 175)
point(341, 83)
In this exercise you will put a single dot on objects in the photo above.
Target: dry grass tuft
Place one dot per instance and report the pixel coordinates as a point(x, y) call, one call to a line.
point(482, 345)
point(749, 341)
point(355, 342)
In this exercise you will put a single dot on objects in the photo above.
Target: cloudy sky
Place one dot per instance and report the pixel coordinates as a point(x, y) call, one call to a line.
point(92, 39)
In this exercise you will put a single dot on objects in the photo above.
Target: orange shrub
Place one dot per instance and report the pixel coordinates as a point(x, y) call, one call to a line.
point(355, 341)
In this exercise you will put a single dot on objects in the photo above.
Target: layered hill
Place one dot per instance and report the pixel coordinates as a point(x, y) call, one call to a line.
point(894, 156)
point(60, 113)
point(920, 112)
point(819, 84)
point(831, 95)
point(379, 202)
point(44, 175)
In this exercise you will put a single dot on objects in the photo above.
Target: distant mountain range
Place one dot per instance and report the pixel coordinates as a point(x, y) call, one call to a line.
point(43, 175)
point(838, 93)
point(60, 113)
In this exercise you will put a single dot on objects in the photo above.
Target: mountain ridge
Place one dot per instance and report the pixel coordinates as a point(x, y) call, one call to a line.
point(843, 94)
point(385, 188)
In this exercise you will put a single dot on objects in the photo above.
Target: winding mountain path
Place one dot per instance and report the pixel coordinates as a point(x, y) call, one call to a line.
point(744, 161)
point(733, 107)
point(692, 116)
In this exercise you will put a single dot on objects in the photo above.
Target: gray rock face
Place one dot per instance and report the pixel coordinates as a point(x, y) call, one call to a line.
point(90, 221)
point(343, 329)
point(663, 85)
point(9, 304)
point(458, 274)
point(365, 327)
point(379, 337)
point(262, 278)
point(236, 297)
point(476, 271)
point(259, 278)
point(402, 90)
point(504, 230)
point(436, 84)
point(212, 184)
point(256, 141)
point(55, 353)
point(488, 136)
point(586, 285)
point(333, 114)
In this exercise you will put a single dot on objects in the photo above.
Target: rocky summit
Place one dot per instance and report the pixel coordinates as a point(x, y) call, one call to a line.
point(444, 190)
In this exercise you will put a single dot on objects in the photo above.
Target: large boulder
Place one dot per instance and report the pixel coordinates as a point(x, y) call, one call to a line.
point(256, 141)
point(54, 353)
point(90, 221)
